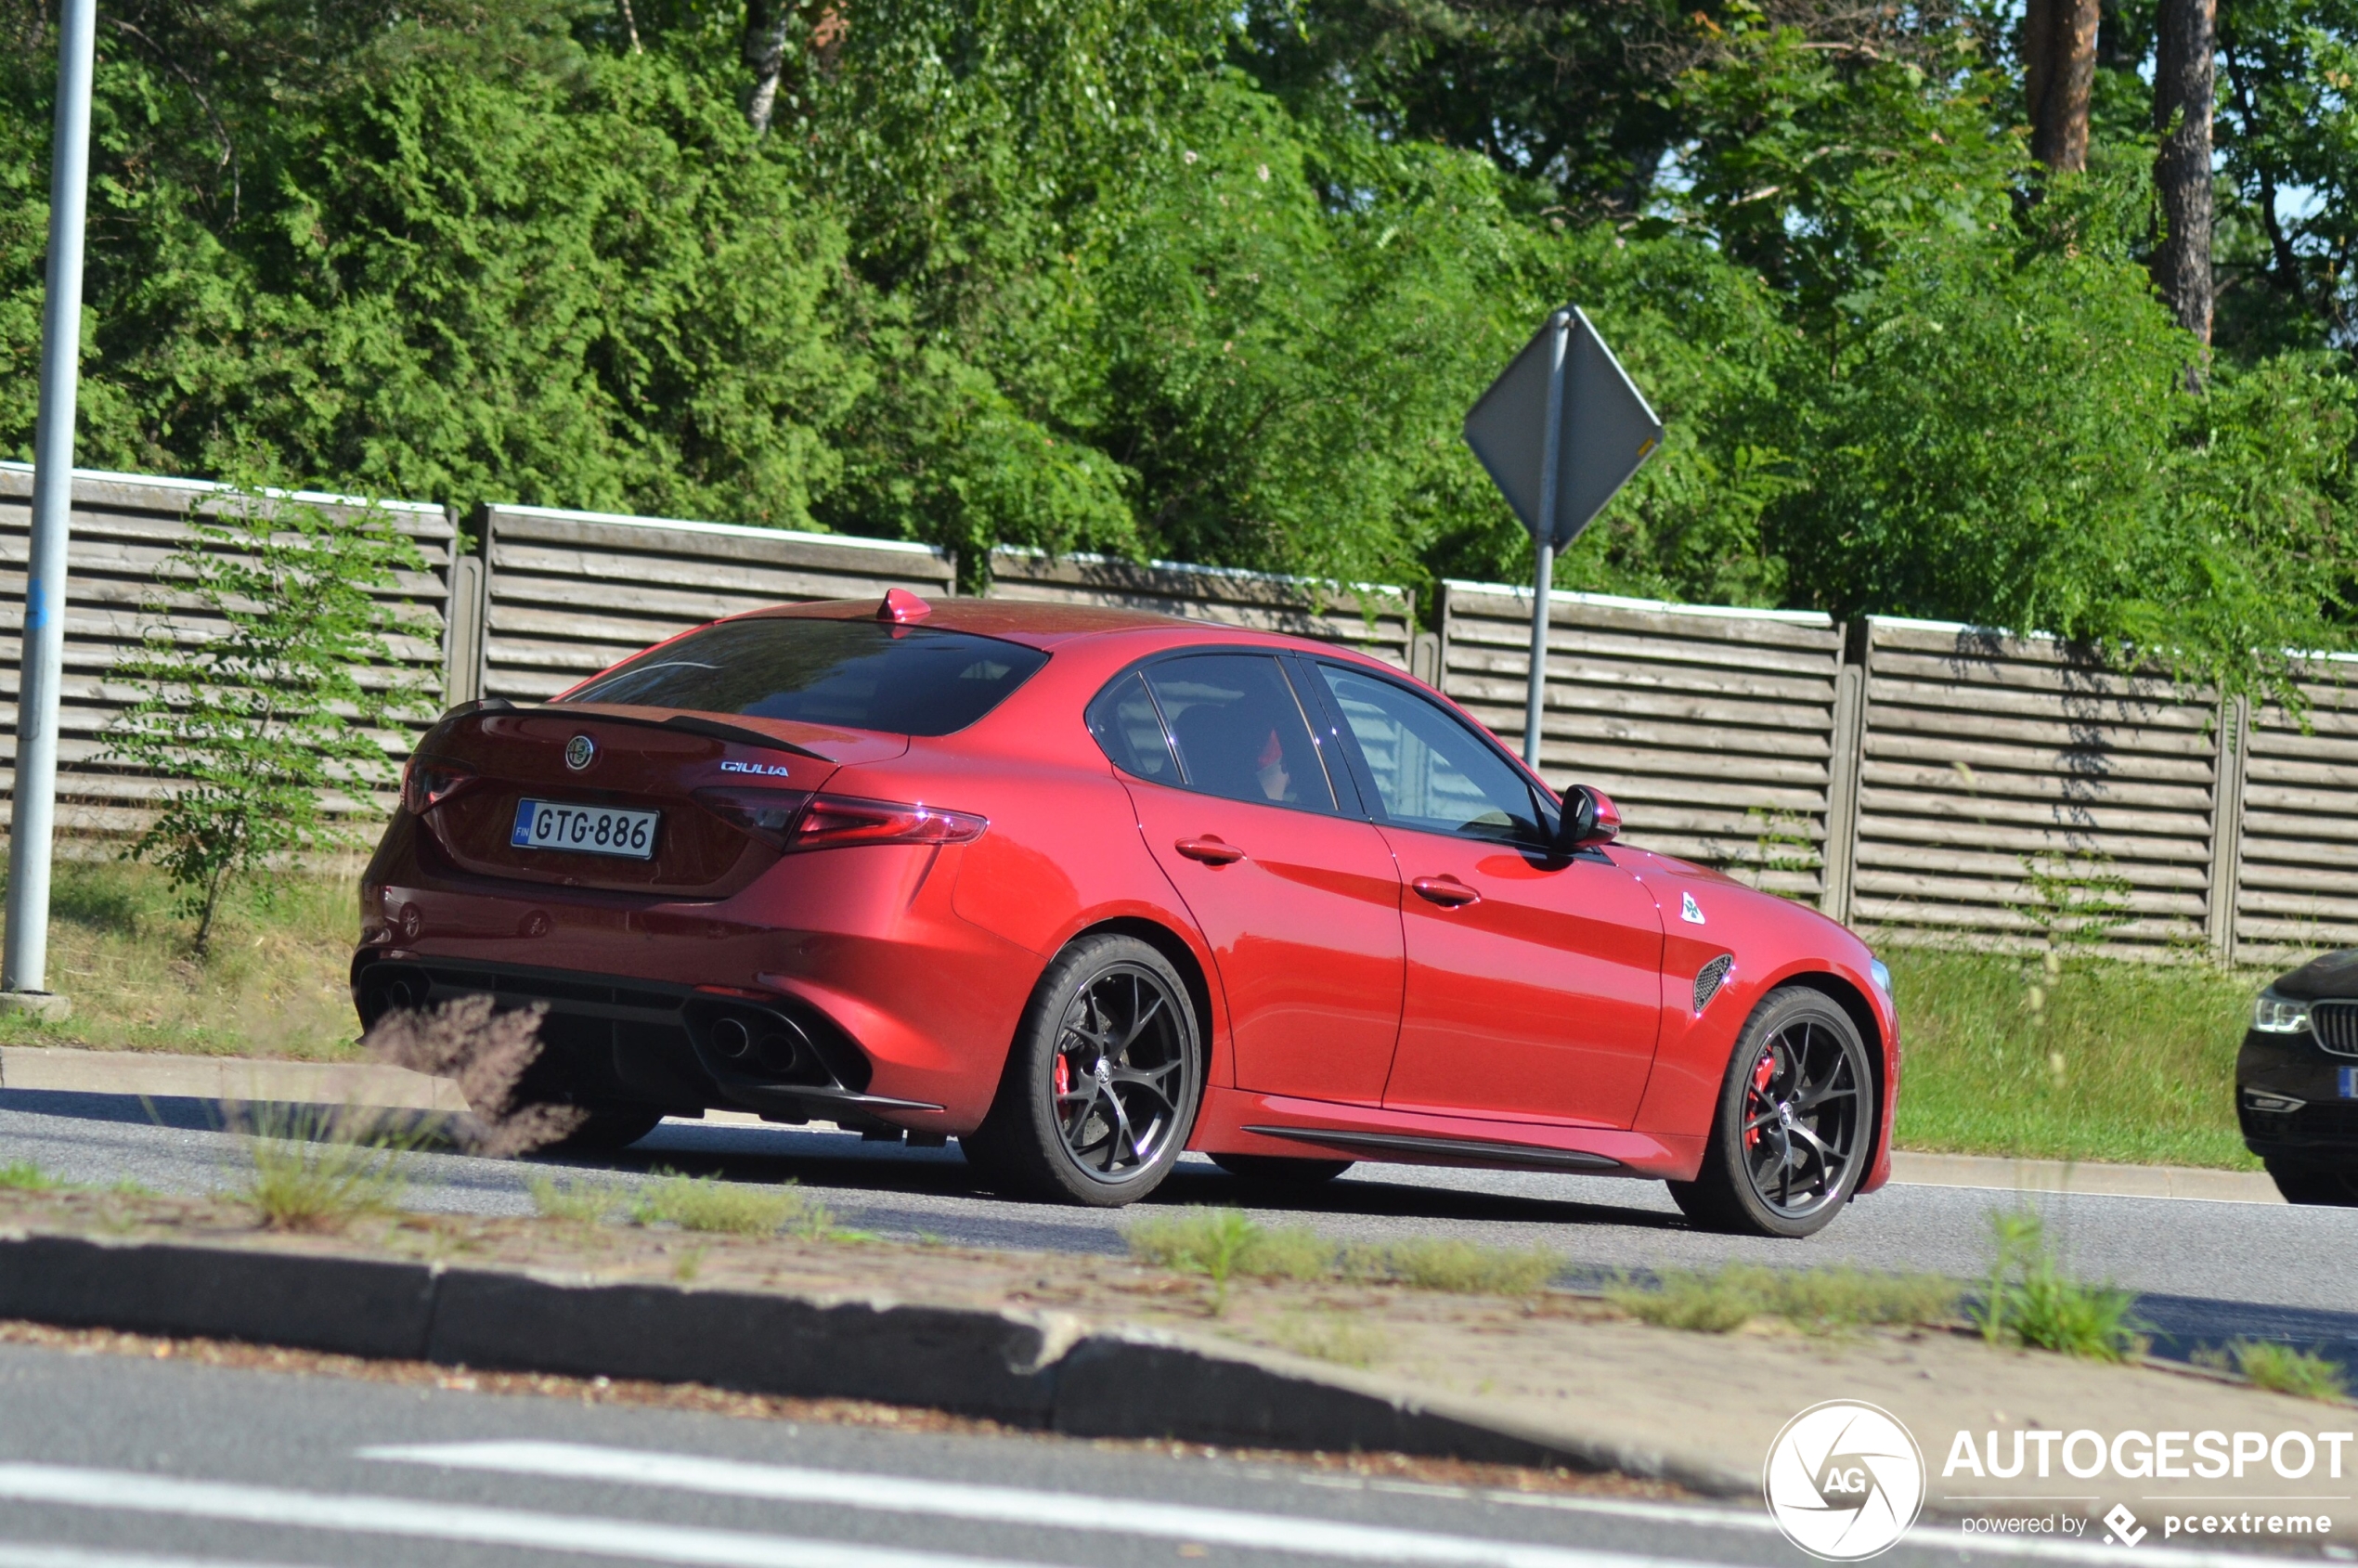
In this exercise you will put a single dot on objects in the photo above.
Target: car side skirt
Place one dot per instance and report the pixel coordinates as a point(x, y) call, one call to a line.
point(1239, 1122)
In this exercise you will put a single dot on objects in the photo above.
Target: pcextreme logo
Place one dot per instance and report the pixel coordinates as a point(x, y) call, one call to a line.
point(1844, 1481)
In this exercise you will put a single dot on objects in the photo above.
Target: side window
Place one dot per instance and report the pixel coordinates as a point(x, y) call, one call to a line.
point(1241, 732)
point(1130, 731)
point(1430, 771)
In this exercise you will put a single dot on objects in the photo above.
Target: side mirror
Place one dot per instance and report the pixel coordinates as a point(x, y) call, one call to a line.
point(1589, 818)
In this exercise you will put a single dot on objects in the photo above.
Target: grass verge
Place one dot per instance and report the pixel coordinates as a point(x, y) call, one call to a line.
point(1223, 1245)
point(318, 1169)
point(1330, 1336)
point(2280, 1368)
point(275, 984)
point(706, 1204)
point(2028, 1299)
point(24, 1175)
point(1825, 1300)
point(2103, 1059)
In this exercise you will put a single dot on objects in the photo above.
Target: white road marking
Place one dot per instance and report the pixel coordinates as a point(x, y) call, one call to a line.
point(1071, 1510)
point(1006, 1505)
point(26, 1554)
point(420, 1520)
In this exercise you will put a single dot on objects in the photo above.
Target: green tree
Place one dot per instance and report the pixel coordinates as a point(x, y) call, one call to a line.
point(268, 660)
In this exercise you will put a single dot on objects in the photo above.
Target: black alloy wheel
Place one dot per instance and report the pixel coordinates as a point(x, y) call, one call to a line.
point(1795, 1123)
point(1101, 1089)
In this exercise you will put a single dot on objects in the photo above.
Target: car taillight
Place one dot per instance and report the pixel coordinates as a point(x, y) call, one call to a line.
point(425, 784)
point(766, 814)
point(836, 820)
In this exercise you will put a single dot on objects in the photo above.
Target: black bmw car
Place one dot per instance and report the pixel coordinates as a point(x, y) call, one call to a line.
point(2297, 1081)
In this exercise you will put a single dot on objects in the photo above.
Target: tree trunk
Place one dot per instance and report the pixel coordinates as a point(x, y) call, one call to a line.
point(2182, 92)
point(2059, 77)
point(764, 51)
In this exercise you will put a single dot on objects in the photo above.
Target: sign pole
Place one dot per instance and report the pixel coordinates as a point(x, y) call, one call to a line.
point(25, 962)
point(1535, 704)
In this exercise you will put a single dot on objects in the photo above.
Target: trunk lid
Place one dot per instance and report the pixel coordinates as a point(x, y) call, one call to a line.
point(701, 773)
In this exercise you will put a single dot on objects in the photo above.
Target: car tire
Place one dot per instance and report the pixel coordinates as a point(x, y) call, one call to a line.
point(1280, 1170)
point(2323, 1185)
point(1103, 1082)
point(1795, 1125)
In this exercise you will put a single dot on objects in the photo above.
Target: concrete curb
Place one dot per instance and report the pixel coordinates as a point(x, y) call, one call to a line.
point(244, 1079)
point(1040, 1371)
point(1909, 1167)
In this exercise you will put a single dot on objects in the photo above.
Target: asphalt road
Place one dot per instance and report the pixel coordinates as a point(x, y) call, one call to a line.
point(2205, 1270)
point(111, 1461)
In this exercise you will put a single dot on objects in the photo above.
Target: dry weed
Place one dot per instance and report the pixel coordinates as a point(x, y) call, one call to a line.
point(486, 1052)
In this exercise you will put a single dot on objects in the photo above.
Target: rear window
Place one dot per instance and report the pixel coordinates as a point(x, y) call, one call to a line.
point(855, 675)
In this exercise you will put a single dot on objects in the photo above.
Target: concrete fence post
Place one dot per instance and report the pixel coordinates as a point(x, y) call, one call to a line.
point(1841, 853)
point(2227, 828)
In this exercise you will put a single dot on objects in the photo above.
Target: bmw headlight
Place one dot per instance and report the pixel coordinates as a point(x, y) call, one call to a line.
point(2279, 1015)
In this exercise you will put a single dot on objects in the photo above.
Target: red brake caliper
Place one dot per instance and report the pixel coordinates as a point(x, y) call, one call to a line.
point(1064, 1074)
point(1760, 1076)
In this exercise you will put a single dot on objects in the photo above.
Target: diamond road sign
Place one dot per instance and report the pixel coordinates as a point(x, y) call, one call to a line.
point(1604, 429)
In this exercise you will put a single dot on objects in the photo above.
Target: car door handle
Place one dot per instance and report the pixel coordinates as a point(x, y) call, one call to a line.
point(1210, 850)
point(1447, 891)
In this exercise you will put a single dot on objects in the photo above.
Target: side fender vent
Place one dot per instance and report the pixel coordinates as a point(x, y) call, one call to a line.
point(1708, 977)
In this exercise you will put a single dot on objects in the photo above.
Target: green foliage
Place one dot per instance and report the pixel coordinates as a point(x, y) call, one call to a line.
point(1820, 1301)
point(2029, 1300)
point(278, 982)
point(1464, 1268)
point(706, 1203)
point(576, 1201)
point(24, 1175)
point(2075, 900)
point(1225, 1244)
point(1173, 279)
point(2146, 1055)
point(318, 1169)
point(1330, 1336)
point(2281, 1368)
point(263, 710)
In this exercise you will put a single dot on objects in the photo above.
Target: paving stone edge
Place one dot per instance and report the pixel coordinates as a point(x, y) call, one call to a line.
point(1042, 1372)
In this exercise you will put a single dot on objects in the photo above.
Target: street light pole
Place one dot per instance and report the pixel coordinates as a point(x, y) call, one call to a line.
point(24, 963)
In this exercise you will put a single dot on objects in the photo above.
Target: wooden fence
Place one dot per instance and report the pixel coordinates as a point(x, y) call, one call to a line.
point(2010, 791)
point(123, 526)
point(1713, 729)
point(1376, 617)
point(1937, 783)
point(2293, 855)
point(556, 596)
point(1925, 780)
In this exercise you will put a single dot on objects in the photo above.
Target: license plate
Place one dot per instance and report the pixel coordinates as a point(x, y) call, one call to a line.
point(2349, 1082)
point(588, 830)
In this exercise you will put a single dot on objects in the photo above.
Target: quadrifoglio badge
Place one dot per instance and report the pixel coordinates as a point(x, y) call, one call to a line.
point(1845, 1481)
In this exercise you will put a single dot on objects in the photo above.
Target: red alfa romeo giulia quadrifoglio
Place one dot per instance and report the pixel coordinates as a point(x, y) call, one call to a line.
point(1086, 887)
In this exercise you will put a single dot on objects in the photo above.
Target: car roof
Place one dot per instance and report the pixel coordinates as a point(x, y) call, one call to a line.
point(1035, 623)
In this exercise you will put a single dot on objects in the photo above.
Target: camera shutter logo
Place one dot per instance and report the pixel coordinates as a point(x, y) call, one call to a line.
point(581, 752)
point(1845, 1481)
